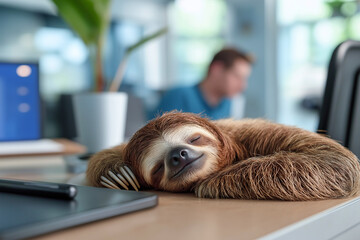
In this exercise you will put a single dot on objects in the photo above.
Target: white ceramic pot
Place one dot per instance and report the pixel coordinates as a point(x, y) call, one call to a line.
point(100, 119)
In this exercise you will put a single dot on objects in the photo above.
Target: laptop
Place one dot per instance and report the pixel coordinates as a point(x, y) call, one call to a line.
point(20, 117)
point(20, 111)
point(24, 216)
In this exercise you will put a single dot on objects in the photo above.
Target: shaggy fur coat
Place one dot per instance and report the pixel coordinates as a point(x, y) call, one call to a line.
point(246, 159)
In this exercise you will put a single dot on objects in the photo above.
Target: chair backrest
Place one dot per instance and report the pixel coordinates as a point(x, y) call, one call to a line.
point(340, 112)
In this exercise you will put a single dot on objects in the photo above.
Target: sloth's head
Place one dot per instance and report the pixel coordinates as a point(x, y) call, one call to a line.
point(176, 150)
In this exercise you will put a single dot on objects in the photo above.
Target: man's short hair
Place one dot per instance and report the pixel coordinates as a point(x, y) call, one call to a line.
point(228, 56)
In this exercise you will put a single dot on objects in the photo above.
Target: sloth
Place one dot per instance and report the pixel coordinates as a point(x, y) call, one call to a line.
point(244, 159)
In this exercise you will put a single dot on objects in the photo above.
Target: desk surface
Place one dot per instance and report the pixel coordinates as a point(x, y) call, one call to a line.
point(179, 216)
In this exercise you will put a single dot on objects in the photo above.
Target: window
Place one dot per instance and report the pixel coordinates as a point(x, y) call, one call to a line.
point(197, 35)
point(309, 31)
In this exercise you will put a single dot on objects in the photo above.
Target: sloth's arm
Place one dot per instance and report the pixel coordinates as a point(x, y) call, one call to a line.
point(260, 138)
point(285, 176)
point(283, 163)
point(100, 164)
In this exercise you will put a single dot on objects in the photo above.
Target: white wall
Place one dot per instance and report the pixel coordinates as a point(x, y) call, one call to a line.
point(253, 29)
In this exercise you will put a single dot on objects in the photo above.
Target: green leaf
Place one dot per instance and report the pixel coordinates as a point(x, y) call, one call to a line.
point(145, 40)
point(88, 18)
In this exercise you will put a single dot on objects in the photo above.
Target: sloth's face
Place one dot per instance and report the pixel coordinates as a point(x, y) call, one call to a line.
point(179, 157)
point(176, 150)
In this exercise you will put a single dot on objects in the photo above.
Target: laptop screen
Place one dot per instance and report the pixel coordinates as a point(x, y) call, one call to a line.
point(19, 102)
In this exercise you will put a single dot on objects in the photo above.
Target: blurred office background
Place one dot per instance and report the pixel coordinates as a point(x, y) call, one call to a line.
point(291, 40)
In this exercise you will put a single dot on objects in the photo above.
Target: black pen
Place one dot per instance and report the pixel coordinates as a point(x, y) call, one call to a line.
point(42, 189)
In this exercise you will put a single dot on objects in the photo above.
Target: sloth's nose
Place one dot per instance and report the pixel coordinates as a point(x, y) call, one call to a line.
point(181, 156)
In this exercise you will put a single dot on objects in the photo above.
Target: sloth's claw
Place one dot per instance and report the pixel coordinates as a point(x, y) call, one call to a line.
point(108, 182)
point(106, 185)
point(118, 180)
point(127, 176)
point(132, 176)
point(122, 179)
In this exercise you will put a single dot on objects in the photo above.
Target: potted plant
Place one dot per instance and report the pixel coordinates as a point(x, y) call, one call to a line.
point(99, 115)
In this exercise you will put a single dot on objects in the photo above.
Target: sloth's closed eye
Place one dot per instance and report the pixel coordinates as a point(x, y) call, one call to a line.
point(195, 139)
point(161, 166)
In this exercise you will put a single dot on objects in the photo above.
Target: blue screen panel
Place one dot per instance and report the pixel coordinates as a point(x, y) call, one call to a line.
point(19, 102)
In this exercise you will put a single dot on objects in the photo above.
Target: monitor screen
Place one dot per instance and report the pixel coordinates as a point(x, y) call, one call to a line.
point(19, 102)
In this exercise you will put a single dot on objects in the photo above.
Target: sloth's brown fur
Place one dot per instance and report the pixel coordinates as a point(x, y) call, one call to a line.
point(253, 159)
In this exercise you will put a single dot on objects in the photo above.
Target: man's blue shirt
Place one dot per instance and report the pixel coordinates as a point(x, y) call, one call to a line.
point(191, 99)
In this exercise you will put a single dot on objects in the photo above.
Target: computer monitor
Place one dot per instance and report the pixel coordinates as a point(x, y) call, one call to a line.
point(20, 112)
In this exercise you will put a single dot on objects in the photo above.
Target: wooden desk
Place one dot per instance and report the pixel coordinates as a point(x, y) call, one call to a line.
point(182, 216)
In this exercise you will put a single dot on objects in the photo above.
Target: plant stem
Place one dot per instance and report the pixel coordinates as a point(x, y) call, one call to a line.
point(116, 82)
point(99, 79)
point(115, 85)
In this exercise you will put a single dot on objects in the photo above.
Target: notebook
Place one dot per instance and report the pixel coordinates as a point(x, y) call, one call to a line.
point(25, 216)
point(30, 147)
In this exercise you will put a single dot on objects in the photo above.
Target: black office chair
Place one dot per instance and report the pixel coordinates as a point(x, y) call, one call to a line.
point(340, 112)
